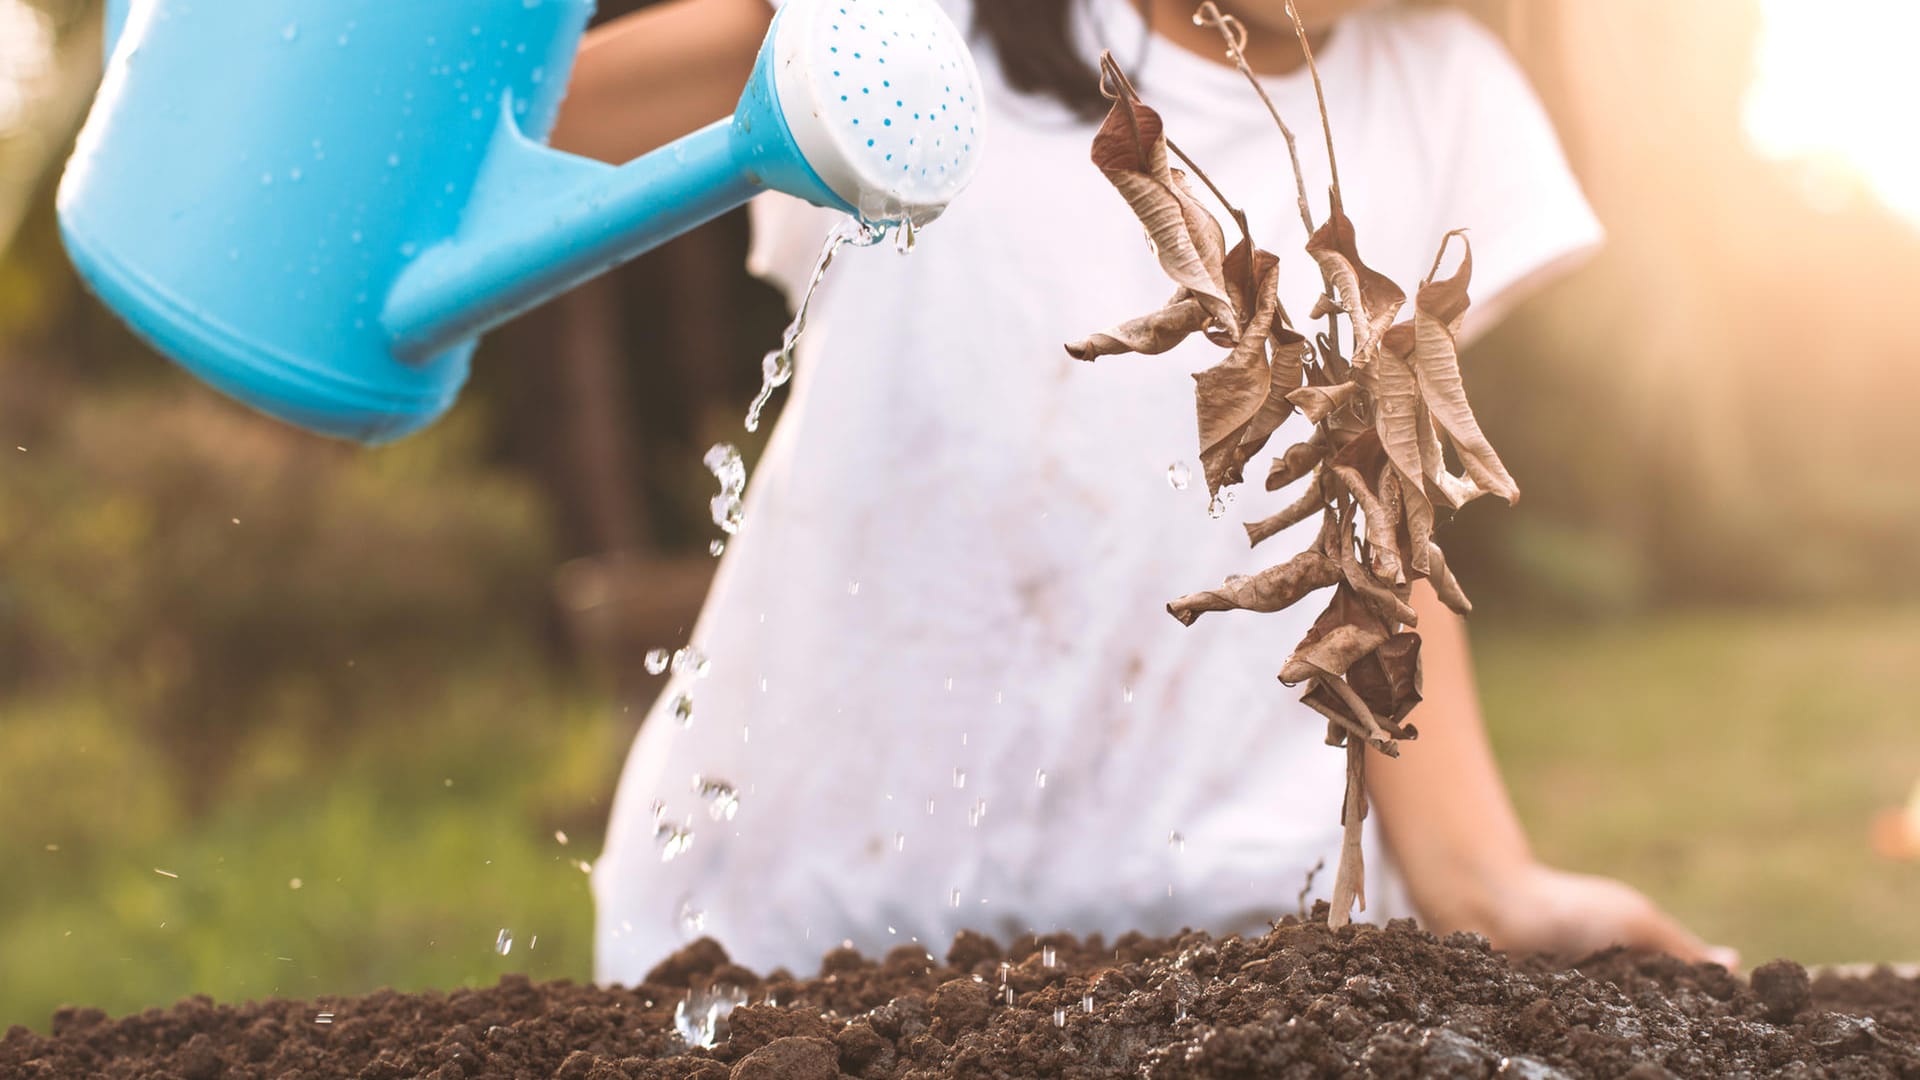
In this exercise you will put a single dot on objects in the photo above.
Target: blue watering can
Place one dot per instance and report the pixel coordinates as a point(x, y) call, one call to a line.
point(317, 206)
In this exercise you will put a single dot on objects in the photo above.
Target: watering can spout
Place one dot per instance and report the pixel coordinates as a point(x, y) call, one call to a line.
point(329, 246)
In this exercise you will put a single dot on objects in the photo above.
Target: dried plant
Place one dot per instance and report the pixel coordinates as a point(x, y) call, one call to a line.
point(1374, 471)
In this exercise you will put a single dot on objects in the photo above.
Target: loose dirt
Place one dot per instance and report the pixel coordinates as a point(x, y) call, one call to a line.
point(1303, 1001)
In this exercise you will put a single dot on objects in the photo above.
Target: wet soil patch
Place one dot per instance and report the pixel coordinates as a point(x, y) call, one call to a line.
point(1303, 1001)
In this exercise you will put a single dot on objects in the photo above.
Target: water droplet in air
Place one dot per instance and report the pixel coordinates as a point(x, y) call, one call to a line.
point(1126, 695)
point(1008, 995)
point(853, 588)
point(1048, 958)
point(1176, 841)
point(560, 837)
point(1086, 1003)
point(955, 898)
point(693, 921)
point(290, 31)
point(899, 841)
point(503, 944)
point(1217, 506)
point(1060, 1018)
point(674, 841)
point(657, 661)
point(1040, 778)
point(681, 708)
point(959, 778)
point(722, 798)
point(717, 548)
point(724, 461)
point(1179, 475)
point(690, 659)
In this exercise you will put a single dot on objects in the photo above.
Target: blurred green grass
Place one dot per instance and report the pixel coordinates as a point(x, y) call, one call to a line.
point(1726, 762)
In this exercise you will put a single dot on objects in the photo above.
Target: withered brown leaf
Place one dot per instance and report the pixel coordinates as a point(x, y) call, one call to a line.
point(1299, 460)
point(1148, 335)
point(1131, 151)
point(1230, 396)
point(1438, 310)
point(1388, 679)
point(1272, 589)
point(1312, 501)
point(1369, 298)
point(1346, 631)
point(1316, 403)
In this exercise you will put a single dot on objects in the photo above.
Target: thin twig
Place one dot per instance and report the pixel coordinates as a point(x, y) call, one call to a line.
point(1307, 889)
point(1239, 216)
point(1234, 34)
point(1326, 125)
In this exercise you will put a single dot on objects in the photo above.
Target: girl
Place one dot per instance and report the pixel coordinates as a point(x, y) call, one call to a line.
point(943, 683)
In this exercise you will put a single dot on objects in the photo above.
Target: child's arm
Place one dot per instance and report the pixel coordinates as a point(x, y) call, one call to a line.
point(1446, 816)
point(644, 80)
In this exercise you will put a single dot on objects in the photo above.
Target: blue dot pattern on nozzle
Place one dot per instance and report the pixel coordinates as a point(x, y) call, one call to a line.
point(893, 88)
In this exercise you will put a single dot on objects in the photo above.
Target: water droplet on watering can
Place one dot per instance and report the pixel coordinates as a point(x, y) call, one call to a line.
point(657, 661)
point(690, 660)
point(681, 709)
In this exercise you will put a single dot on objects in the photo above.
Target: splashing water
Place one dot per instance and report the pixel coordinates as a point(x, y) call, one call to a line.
point(722, 798)
point(724, 461)
point(693, 921)
point(777, 369)
point(681, 709)
point(674, 841)
point(690, 659)
point(701, 1018)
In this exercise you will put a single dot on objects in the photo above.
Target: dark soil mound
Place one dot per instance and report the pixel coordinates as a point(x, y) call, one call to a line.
point(1303, 1001)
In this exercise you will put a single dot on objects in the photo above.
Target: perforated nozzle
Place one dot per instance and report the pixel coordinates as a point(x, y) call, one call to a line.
point(883, 99)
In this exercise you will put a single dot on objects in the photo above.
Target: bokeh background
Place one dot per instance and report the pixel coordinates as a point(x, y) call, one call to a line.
point(284, 716)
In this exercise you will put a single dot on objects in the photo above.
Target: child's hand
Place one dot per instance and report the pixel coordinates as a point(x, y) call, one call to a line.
point(1550, 911)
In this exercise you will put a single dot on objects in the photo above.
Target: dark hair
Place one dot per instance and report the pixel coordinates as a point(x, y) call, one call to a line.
point(1038, 55)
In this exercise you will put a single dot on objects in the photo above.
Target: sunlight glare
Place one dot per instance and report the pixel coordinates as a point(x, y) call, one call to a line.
point(1834, 88)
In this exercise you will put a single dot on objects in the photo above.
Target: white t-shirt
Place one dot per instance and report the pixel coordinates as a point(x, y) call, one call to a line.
point(944, 683)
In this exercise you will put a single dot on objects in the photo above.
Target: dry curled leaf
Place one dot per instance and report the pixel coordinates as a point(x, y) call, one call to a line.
point(1311, 501)
point(1148, 335)
point(1368, 297)
point(1445, 585)
point(1388, 679)
point(1272, 589)
point(1299, 460)
point(1131, 151)
point(1438, 310)
point(1346, 631)
point(1316, 403)
point(1230, 396)
point(1397, 411)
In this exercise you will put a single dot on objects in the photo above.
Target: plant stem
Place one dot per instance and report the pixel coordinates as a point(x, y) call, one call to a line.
point(1234, 35)
point(1326, 126)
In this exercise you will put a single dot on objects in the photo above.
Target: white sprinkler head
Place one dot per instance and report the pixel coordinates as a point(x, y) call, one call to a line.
point(883, 98)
